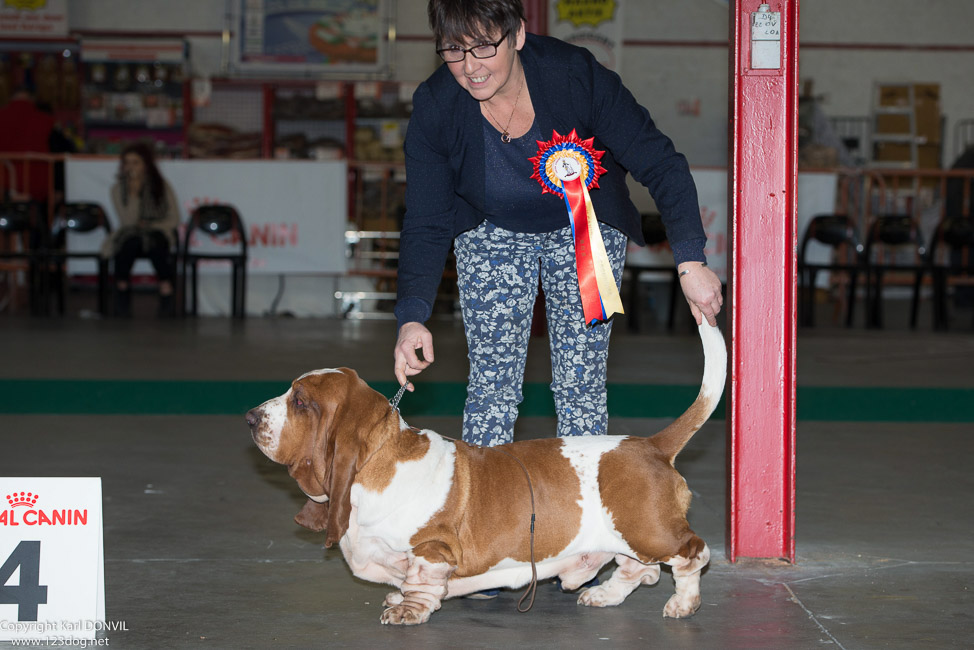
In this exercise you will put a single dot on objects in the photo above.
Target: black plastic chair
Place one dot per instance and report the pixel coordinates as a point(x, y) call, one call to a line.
point(215, 221)
point(23, 246)
point(899, 234)
point(80, 218)
point(839, 232)
point(654, 232)
point(953, 240)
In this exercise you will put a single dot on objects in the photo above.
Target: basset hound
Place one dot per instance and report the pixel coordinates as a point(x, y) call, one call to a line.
point(437, 518)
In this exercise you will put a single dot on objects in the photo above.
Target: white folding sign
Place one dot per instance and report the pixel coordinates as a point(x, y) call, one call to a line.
point(52, 561)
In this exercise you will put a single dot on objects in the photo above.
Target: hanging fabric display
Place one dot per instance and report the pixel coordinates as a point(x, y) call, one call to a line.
point(569, 167)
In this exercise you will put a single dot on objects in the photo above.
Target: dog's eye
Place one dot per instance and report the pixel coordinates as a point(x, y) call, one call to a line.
point(299, 402)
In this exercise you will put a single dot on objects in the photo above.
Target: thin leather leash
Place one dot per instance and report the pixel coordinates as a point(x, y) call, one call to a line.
point(533, 587)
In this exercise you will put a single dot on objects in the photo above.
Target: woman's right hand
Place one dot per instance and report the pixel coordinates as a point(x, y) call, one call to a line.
point(412, 336)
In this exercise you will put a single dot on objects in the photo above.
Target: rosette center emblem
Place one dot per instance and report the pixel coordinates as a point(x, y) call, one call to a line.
point(569, 167)
point(566, 158)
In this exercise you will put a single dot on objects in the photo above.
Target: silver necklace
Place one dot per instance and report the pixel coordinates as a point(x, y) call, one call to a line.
point(506, 136)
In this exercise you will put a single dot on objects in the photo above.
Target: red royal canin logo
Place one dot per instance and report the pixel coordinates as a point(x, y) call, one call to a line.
point(39, 517)
point(22, 499)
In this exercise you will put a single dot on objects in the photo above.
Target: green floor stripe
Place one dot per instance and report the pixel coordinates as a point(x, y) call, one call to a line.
point(110, 397)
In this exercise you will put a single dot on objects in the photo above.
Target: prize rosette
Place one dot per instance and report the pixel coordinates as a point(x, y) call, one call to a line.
point(570, 167)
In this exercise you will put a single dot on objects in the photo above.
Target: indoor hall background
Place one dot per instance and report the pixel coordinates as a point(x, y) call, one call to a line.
point(201, 549)
point(675, 53)
point(199, 539)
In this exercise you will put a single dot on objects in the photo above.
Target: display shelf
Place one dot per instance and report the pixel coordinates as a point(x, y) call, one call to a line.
point(126, 100)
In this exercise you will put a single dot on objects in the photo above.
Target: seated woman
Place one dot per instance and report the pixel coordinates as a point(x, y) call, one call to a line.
point(148, 215)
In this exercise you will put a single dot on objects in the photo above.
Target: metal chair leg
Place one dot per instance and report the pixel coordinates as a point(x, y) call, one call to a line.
point(915, 303)
point(851, 307)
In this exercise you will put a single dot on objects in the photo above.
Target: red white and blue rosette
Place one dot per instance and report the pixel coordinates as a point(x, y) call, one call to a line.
point(568, 167)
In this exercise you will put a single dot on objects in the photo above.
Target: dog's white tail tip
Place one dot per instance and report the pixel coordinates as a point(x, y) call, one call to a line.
point(715, 359)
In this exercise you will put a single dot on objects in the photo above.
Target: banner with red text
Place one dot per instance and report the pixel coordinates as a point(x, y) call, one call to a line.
point(294, 211)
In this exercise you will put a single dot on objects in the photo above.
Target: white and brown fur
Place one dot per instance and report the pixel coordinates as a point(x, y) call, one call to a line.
point(437, 518)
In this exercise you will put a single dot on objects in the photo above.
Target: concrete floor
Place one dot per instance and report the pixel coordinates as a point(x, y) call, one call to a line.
point(201, 550)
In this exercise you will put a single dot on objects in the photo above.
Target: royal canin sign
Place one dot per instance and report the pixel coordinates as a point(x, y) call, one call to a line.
point(22, 512)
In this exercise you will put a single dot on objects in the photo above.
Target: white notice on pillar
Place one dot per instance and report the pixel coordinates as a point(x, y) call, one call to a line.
point(52, 561)
point(766, 39)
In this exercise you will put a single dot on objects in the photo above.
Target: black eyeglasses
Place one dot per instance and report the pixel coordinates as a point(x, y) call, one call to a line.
point(482, 51)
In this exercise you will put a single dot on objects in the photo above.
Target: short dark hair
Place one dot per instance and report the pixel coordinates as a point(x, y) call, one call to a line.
point(453, 21)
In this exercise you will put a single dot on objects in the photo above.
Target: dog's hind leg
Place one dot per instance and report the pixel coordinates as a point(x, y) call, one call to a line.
point(629, 574)
point(587, 567)
point(686, 575)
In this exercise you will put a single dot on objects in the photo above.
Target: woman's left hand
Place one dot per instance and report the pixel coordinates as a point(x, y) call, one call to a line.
point(702, 289)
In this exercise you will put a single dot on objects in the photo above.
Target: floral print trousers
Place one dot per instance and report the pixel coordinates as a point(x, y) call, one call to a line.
point(498, 272)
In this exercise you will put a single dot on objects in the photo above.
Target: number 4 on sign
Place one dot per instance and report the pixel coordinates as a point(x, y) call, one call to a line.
point(29, 593)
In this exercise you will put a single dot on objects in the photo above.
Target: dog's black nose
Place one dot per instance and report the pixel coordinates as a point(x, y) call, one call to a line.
point(253, 417)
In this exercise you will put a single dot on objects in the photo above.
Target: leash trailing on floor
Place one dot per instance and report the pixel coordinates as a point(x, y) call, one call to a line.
point(533, 585)
point(532, 589)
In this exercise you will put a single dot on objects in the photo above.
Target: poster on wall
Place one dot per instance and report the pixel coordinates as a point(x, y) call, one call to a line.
point(593, 24)
point(309, 37)
point(27, 18)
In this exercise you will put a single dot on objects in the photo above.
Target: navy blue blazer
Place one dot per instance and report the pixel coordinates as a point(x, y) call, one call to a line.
point(445, 168)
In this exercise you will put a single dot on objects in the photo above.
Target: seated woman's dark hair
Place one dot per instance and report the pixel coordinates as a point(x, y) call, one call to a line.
point(454, 21)
point(153, 178)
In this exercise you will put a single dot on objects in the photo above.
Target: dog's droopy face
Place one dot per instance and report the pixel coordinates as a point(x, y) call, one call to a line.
point(281, 427)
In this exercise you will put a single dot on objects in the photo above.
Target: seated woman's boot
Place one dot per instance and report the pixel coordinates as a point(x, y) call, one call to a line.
point(123, 303)
point(166, 306)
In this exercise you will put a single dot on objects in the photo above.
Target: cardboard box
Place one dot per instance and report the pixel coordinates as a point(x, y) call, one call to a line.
point(893, 124)
point(894, 96)
point(928, 122)
point(926, 110)
point(928, 156)
point(926, 93)
point(892, 152)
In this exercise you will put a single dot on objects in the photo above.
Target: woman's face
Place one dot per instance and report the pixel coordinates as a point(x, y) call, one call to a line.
point(134, 166)
point(484, 78)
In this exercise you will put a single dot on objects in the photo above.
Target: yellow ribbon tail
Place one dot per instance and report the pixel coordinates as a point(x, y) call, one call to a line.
point(609, 292)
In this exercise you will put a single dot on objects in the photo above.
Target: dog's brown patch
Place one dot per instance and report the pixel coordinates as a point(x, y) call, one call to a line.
point(399, 446)
point(655, 524)
point(487, 516)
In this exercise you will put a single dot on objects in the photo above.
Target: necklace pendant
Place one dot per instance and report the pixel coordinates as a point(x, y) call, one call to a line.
point(506, 137)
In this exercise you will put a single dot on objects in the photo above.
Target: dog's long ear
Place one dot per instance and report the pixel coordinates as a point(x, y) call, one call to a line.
point(350, 411)
point(339, 433)
point(341, 475)
point(331, 469)
point(313, 516)
point(349, 443)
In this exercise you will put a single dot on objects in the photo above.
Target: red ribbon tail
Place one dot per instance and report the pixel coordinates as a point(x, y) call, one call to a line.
point(587, 282)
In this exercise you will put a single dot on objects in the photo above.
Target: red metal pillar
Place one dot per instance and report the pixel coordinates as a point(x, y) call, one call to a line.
point(763, 270)
point(536, 16)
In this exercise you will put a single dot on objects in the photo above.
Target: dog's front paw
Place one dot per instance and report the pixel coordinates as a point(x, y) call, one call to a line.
point(677, 607)
point(393, 598)
point(405, 613)
point(600, 596)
